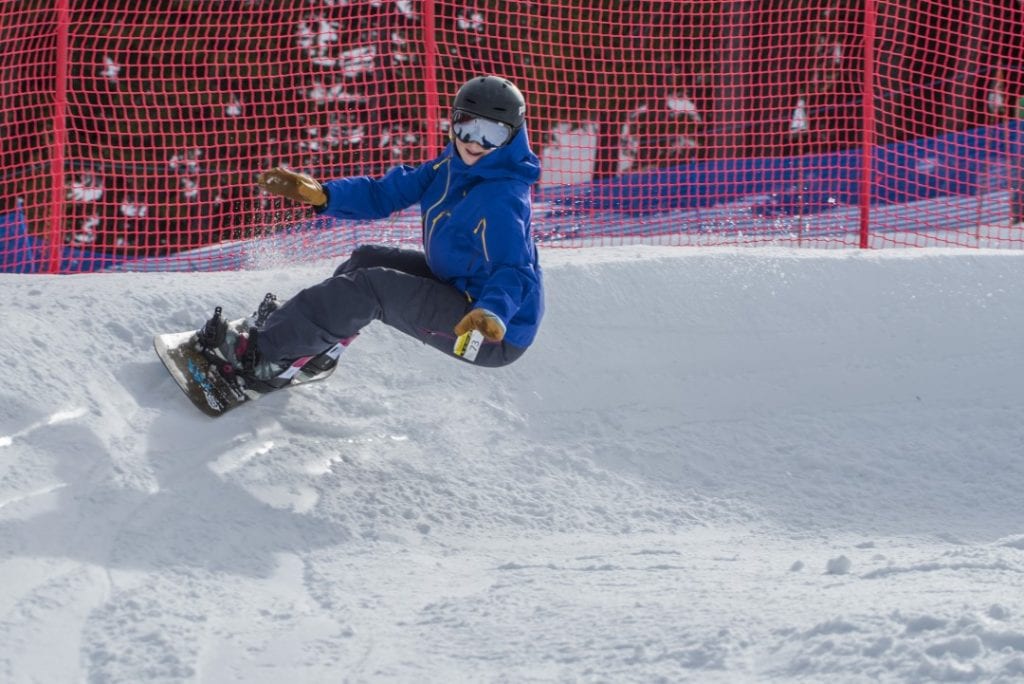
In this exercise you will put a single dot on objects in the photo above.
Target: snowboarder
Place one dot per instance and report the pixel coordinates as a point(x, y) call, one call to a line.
point(478, 270)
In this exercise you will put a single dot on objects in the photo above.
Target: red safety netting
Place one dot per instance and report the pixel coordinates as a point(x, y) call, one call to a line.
point(132, 132)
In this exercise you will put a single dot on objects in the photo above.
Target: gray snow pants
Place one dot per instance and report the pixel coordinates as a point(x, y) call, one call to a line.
point(386, 284)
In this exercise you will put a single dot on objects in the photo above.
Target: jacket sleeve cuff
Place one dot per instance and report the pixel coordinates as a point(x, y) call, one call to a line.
point(504, 328)
point(321, 208)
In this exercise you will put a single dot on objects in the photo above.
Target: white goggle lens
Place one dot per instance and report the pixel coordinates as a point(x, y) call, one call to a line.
point(484, 132)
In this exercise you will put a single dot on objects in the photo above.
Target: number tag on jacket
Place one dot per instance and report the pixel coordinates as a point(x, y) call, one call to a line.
point(467, 345)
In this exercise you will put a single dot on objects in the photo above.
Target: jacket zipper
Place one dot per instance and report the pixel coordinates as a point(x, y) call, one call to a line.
point(426, 215)
point(481, 228)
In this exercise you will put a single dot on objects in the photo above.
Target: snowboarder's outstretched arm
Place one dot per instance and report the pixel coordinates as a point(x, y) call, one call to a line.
point(357, 197)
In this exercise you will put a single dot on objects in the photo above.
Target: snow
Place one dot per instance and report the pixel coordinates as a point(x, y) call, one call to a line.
point(569, 159)
point(715, 465)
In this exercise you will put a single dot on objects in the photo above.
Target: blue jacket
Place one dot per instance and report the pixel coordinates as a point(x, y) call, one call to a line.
point(476, 226)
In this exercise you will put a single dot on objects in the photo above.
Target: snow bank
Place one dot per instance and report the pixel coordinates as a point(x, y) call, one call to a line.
point(718, 465)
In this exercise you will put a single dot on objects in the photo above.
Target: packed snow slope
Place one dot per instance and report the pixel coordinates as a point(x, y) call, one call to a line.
point(713, 466)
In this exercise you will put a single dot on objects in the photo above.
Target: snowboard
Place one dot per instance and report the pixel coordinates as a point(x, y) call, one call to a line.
point(211, 392)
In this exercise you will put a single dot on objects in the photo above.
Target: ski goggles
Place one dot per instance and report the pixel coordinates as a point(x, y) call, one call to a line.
point(486, 133)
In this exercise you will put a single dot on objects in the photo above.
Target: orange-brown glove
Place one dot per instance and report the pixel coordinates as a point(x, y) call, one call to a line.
point(294, 186)
point(484, 321)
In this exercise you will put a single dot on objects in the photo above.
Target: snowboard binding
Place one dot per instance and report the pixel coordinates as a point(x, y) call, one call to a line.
point(210, 342)
point(268, 306)
point(213, 332)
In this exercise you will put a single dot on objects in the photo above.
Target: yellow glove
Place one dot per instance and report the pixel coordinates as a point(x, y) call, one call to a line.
point(484, 321)
point(294, 186)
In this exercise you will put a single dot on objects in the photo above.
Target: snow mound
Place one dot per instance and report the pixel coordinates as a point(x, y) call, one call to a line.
point(725, 465)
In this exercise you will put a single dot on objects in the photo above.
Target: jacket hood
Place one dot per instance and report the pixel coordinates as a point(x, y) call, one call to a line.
point(515, 161)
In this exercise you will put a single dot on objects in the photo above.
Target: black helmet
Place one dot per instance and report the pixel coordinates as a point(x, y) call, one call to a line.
point(492, 97)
